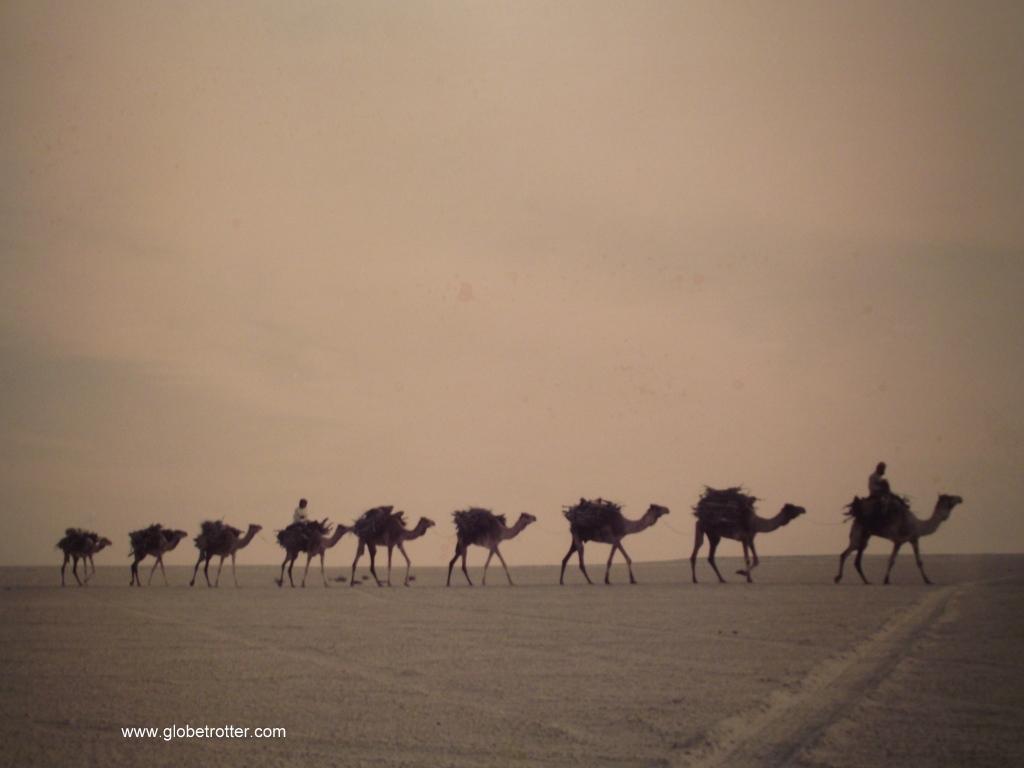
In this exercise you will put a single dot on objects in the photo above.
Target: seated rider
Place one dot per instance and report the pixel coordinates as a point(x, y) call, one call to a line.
point(879, 490)
point(300, 516)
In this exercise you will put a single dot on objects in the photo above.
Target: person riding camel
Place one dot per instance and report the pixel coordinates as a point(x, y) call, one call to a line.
point(879, 490)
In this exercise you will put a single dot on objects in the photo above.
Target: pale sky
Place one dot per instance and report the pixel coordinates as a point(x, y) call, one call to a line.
point(508, 254)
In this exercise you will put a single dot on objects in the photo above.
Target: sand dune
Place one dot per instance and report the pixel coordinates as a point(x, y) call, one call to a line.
point(790, 671)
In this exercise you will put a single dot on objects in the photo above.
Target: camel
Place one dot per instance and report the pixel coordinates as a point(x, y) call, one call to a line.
point(219, 540)
point(897, 524)
point(485, 529)
point(309, 537)
point(156, 541)
point(381, 527)
point(730, 514)
point(80, 544)
point(602, 521)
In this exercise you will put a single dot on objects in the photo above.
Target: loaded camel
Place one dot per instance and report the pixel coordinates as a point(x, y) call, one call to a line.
point(602, 521)
point(80, 544)
point(309, 537)
point(216, 539)
point(894, 522)
point(156, 541)
point(730, 514)
point(485, 529)
point(382, 527)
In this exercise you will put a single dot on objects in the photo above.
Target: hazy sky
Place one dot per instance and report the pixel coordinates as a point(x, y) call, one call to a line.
point(508, 254)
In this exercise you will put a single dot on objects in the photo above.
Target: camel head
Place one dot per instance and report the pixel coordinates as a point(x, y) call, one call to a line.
point(255, 528)
point(655, 511)
point(944, 506)
point(424, 524)
point(173, 537)
point(103, 542)
point(526, 518)
point(790, 512)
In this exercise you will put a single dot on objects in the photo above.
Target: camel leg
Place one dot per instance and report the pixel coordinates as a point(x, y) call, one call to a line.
point(220, 567)
point(746, 559)
point(323, 572)
point(196, 570)
point(698, 542)
point(629, 563)
point(280, 581)
point(920, 564)
point(572, 548)
point(373, 558)
point(857, 541)
point(451, 565)
point(64, 567)
point(579, 549)
point(712, 546)
point(206, 571)
point(89, 575)
point(487, 562)
point(135, 574)
point(892, 559)
point(309, 557)
point(408, 562)
point(391, 549)
point(856, 562)
point(502, 559)
point(465, 570)
point(74, 570)
point(359, 552)
point(608, 567)
point(234, 576)
point(155, 564)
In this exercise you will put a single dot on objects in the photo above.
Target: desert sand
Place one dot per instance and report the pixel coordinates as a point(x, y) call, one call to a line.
point(792, 670)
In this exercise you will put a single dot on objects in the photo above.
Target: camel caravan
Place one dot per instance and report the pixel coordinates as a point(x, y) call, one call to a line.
point(728, 513)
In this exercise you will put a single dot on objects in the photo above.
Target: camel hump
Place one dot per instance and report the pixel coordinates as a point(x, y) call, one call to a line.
point(373, 521)
point(724, 505)
point(593, 513)
point(476, 522)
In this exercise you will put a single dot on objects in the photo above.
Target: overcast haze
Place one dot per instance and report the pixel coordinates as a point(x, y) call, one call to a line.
point(442, 254)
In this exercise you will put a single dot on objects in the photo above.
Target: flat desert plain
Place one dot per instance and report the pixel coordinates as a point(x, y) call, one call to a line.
point(792, 670)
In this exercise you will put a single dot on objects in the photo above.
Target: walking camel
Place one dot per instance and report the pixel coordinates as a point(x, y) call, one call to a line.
point(485, 529)
point(80, 544)
point(156, 541)
point(217, 539)
point(895, 523)
point(730, 514)
point(602, 521)
point(382, 527)
point(309, 537)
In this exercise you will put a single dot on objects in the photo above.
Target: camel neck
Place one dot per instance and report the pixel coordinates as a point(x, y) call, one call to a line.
point(929, 526)
point(515, 530)
point(769, 524)
point(635, 526)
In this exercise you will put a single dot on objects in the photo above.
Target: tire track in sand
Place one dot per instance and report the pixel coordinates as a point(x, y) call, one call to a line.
point(792, 720)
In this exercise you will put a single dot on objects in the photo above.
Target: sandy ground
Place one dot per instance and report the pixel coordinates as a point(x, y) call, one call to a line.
point(790, 671)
